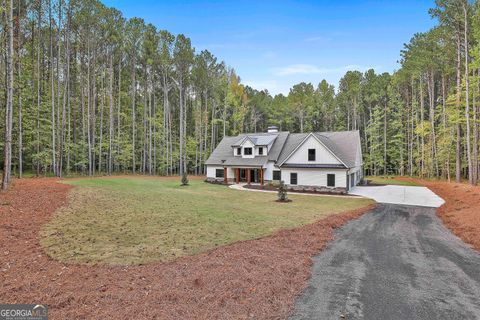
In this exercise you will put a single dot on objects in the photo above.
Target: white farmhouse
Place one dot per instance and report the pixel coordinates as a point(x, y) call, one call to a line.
point(321, 161)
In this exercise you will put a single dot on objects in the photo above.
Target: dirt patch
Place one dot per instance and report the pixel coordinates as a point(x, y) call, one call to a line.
point(256, 279)
point(460, 213)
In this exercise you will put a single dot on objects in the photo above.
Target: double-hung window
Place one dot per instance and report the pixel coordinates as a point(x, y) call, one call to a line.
point(293, 178)
point(330, 180)
point(277, 175)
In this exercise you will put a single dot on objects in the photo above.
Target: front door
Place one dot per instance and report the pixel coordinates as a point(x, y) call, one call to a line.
point(253, 175)
point(243, 175)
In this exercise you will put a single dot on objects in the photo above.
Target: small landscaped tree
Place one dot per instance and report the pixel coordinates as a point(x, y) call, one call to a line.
point(282, 192)
point(184, 179)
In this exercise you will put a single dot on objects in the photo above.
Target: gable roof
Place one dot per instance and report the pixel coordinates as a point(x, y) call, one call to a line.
point(258, 139)
point(345, 145)
point(316, 136)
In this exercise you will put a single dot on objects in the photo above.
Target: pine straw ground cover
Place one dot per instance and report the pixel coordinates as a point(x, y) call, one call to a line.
point(256, 279)
point(461, 211)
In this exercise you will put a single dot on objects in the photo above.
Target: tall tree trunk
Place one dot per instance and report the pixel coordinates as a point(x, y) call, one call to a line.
point(52, 92)
point(181, 115)
point(119, 103)
point(385, 139)
point(58, 120)
point(89, 121)
point(110, 116)
point(102, 107)
point(431, 102)
point(458, 151)
point(467, 98)
point(19, 89)
point(475, 135)
point(39, 96)
point(7, 149)
point(134, 90)
point(445, 125)
point(422, 118)
point(149, 121)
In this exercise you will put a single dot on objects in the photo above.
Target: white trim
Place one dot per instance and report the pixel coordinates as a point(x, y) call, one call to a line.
point(316, 138)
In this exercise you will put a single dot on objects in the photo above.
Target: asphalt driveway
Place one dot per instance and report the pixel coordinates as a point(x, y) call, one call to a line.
point(403, 195)
point(396, 262)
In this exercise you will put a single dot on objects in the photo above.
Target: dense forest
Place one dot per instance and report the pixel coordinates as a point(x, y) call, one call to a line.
point(86, 91)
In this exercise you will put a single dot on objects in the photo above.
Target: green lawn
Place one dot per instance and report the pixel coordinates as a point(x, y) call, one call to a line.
point(136, 220)
point(393, 180)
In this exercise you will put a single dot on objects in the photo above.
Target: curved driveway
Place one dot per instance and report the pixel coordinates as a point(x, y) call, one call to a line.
point(396, 262)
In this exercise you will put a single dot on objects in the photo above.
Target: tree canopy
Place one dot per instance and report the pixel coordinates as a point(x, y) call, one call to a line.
point(88, 91)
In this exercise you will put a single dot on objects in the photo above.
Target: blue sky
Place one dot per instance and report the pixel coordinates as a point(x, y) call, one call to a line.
point(276, 44)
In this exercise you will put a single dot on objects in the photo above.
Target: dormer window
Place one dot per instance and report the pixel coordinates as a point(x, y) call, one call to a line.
point(311, 155)
point(260, 151)
point(247, 151)
point(239, 151)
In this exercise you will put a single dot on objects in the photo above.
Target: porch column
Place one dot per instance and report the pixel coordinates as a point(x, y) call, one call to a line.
point(248, 176)
point(261, 176)
point(237, 175)
point(225, 175)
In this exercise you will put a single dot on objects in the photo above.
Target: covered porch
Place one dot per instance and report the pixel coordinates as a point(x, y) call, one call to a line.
point(246, 175)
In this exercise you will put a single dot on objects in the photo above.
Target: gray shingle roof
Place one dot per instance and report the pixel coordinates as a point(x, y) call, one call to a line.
point(306, 165)
point(293, 140)
point(344, 144)
point(258, 139)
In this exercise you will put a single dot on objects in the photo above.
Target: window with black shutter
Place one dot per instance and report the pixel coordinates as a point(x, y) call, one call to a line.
point(277, 175)
point(311, 154)
point(219, 173)
point(330, 180)
point(293, 178)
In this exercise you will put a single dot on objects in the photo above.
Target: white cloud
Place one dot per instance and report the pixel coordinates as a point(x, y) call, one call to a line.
point(312, 69)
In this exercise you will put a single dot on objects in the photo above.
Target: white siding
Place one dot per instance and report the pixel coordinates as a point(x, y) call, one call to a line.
point(322, 155)
point(268, 173)
point(235, 152)
point(211, 172)
point(265, 151)
point(248, 144)
point(316, 177)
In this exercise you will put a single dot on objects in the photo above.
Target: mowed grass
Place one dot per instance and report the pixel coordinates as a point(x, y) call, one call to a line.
point(137, 220)
point(392, 180)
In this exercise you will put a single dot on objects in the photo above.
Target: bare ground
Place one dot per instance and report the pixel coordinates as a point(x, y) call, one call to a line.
point(256, 279)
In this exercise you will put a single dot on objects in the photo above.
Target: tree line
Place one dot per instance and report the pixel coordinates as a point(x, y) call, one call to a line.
point(87, 91)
